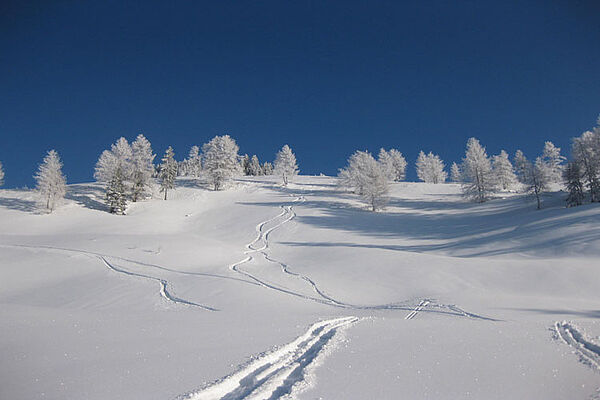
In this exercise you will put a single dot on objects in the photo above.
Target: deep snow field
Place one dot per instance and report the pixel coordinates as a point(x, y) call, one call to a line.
point(263, 292)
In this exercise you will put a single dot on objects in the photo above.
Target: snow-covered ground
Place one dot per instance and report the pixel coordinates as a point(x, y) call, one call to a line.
point(261, 291)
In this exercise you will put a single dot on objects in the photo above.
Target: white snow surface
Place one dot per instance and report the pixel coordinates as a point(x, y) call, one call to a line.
point(268, 292)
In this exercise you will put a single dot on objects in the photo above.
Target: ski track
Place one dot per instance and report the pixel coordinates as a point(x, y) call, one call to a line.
point(164, 286)
point(274, 374)
point(588, 352)
point(418, 308)
point(262, 236)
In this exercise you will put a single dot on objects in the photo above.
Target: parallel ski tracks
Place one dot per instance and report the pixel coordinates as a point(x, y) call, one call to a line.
point(274, 374)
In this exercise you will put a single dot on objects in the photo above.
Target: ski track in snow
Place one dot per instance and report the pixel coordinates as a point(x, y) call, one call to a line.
point(164, 286)
point(288, 214)
point(418, 308)
point(274, 374)
point(588, 352)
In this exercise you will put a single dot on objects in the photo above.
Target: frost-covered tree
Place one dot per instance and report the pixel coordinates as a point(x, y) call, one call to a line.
point(168, 171)
point(393, 164)
point(245, 164)
point(430, 168)
point(1, 174)
point(366, 177)
point(124, 156)
point(267, 168)
point(221, 160)
point(254, 167)
point(142, 164)
point(285, 164)
point(503, 171)
point(455, 174)
point(194, 162)
point(105, 166)
point(478, 182)
point(51, 183)
point(532, 175)
point(115, 192)
point(553, 162)
point(573, 180)
point(586, 152)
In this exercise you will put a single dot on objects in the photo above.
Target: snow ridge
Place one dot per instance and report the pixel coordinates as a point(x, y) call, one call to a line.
point(274, 374)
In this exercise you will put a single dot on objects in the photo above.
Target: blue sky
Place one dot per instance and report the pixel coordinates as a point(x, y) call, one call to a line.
point(326, 77)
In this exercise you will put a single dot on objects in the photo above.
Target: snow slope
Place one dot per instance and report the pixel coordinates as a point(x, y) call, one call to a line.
point(269, 292)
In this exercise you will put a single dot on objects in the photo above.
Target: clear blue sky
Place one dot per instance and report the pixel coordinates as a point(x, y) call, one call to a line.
point(326, 77)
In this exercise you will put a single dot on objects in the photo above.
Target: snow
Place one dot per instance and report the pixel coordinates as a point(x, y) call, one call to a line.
point(262, 291)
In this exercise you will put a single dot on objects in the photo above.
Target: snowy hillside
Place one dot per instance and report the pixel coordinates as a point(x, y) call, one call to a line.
point(260, 292)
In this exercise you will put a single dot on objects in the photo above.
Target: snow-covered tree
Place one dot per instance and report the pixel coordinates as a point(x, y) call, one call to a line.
point(285, 164)
point(267, 168)
point(573, 179)
point(366, 177)
point(477, 172)
point(245, 164)
point(553, 162)
point(254, 167)
point(532, 175)
point(1, 174)
point(142, 163)
point(51, 183)
point(393, 164)
point(503, 171)
point(430, 168)
point(521, 165)
point(115, 192)
point(105, 167)
point(455, 174)
point(124, 155)
point(221, 160)
point(586, 152)
point(194, 162)
point(168, 171)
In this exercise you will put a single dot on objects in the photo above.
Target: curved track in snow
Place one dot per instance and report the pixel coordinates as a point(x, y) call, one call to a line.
point(274, 374)
point(260, 245)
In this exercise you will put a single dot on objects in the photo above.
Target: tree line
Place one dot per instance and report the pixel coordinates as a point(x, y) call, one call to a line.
point(129, 174)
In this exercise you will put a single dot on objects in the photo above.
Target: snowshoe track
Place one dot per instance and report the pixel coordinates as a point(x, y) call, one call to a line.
point(274, 374)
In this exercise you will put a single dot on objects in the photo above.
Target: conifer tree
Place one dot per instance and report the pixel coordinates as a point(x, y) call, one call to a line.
point(586, 152)
point(194, 164)
point(254, 167)
point(553, 162)
point(503, 171)
point(221, 160)
point(142, 165)
point(168, 171)
point(477, 172)
point(573, 180)
point(51, 183)
point(115, 192)
point(532, 175)
point(430, 168)
point(455, 174)
point(285, 164)
point(367, 178)
point(393, 164)
point(267, 168)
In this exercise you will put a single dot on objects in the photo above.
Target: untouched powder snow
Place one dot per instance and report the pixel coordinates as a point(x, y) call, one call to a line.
point(269, 292)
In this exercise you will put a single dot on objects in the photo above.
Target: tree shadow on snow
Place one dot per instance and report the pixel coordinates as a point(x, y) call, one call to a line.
point(11, 203)
point(88, 196)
